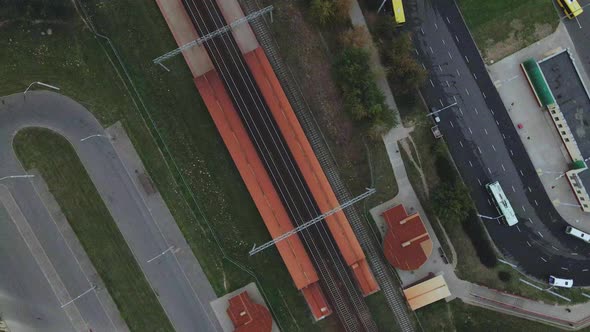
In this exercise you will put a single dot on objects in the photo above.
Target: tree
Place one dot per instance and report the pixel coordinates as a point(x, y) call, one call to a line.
point(355, 37)
point(451, 203)
point(404, 73)
point(322, 11)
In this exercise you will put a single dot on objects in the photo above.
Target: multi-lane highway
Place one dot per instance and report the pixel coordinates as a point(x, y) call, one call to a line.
point(150, 234)
point(486, 147)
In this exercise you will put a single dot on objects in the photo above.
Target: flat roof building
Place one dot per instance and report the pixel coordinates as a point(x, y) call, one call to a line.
point(427, 292)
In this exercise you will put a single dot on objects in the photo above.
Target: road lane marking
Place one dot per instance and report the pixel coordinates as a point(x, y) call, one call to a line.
point(431, 83)
point(484, 95)
point(574, 254)
point(530, 189)
point(531, 220)
point(497, 123)
point(422, 30)
point(514, 190)
point(460, 111)
point(544, 260)
point(451, 122)
point(479, 181)
point(458, 73)
point(423, 66)
point(555, 248)
point(503, 168)
point(478, 149)
point(440, 68)
point(518, 228)
point(537, 204)
point(444, 43)
point(527, 242)
point(440, 101)
point(503, 136)
point(521, 173)
point(448, 84)
point(511, 153)
point(436, 26)
point(493, 147)
point(474, 76)
point(466, 59)
point(476, 112)
point(492, 111)
point(564, 268)
point(541, 235)
point(585, 270)
point(489, 170)
point(450, 56)
point(431, 50)
point(523, 209)
point(489, 202)
point(448, 20)
point(456, 38)
point(455, 98)
point(470, 164)
point(467, 91)
point(471, 132)
point(416, 51)
point(461, 143)
point(485, 130)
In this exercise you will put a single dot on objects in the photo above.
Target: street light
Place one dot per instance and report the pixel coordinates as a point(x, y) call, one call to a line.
point(488, 217)
point(440, 110)
point(95, 135)
point(42, 84)
point(17, 176)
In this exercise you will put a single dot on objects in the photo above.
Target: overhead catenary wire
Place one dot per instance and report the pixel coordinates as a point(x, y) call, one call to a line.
point(255, 131)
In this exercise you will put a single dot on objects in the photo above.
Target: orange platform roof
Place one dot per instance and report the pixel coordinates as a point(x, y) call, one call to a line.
point(261, 189)
point(310, 168)
point(407, 244)
point(248, 316)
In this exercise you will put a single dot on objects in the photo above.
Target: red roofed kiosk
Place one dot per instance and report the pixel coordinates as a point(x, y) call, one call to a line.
point(407, 244)
point(248, 316)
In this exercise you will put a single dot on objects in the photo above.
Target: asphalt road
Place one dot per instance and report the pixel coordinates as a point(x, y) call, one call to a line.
point(485, 146)
point(68, 118)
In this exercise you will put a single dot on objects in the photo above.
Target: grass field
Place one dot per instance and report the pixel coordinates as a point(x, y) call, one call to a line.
point(502, 27)
point(187, 161)
point(57, 161)
point(460, 317)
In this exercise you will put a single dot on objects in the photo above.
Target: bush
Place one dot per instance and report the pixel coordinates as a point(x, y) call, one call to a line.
point(504, 276)
point(37, 9)
point(451, 202)
point(476, 232)
point(363, 100)
point(445, 169)
point(404, 73)
point(355, 37)
point(324, 12)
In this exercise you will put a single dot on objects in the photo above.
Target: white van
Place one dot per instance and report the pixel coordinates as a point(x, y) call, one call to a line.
point(577, 233)
point(560, 282)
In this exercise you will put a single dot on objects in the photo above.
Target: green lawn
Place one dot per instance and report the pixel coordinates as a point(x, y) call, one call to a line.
point(187, 161)
point(502, 27)
point(460, 317)
point(68, 181)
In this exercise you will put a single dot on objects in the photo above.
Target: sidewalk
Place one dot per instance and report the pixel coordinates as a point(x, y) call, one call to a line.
point(468, 292)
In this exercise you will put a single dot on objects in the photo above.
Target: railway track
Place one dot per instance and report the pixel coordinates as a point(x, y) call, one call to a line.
point(335, 277)
point(370, 243)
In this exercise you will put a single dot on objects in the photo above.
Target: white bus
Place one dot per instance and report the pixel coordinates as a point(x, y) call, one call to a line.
point(577, 233)
point(502, 203)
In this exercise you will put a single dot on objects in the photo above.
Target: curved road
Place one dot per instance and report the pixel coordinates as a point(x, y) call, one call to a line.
point(486, 147)
point(127, 206)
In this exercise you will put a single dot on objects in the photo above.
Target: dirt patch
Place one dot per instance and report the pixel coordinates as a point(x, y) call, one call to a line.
point(542, 30)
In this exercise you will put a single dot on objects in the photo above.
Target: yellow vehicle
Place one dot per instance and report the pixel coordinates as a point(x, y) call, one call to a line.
point(571, 8)
point(398, 11)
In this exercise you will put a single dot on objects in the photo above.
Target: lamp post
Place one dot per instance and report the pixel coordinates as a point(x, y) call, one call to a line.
point(41, 84)
point(17, 176)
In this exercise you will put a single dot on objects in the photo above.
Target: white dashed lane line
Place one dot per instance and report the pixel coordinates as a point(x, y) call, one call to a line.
point(458, 73)
point(503, 168)
point(485, 130)
point(466, 59)
point(554, 248)
point(564, 268)
point(531, 220)
point(518, 228)
point(470, 164)
point(461, 143)
point(493, 147)
point(450, 56)
point(541, 235)
point(479, 181)
point(543, 259)
point(527, 242)
point(514, 190)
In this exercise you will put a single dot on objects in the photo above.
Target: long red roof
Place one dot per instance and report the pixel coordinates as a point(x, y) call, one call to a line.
point(248, 316)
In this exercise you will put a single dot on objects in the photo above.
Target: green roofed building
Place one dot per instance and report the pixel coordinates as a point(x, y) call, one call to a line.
point(538, 82)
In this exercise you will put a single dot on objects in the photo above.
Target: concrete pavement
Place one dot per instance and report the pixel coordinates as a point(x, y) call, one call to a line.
point(185, 304)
